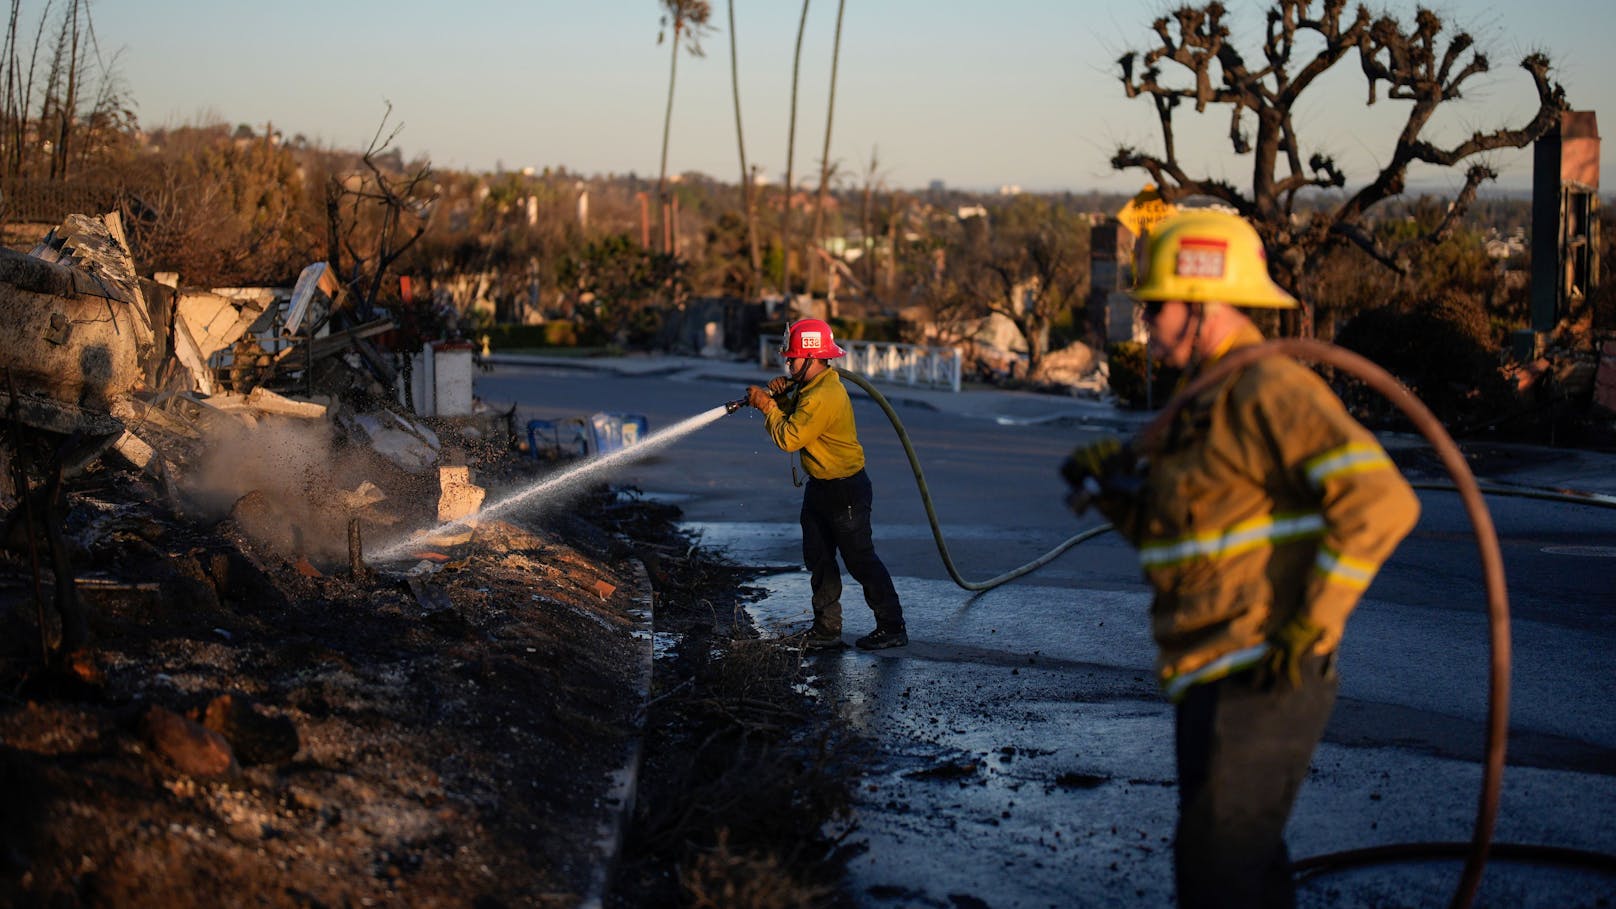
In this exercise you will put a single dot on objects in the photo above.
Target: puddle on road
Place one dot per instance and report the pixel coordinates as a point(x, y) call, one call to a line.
point(1023, 752)
point(750, 543)
point(780, 542)
point(989, 771)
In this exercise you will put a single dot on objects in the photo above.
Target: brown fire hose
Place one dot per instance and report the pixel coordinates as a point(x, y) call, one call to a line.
point(1492, 564)
point(1476, 852)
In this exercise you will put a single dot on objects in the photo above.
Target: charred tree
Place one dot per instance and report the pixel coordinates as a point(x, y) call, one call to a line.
point(1424, 64)
point(373, 216)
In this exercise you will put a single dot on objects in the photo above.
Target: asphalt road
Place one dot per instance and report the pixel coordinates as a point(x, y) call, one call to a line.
point(1023, 755)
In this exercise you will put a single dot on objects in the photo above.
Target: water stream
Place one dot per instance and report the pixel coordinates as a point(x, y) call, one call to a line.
point(551, 489)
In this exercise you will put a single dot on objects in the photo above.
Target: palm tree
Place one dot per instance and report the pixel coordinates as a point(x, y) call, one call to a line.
point(746, 174)
point(791, 150)
point(824, 160)
point(872, 177)
point(688, 19)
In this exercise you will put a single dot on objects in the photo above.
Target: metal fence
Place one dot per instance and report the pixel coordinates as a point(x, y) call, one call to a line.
point(910, 364)
point(34, 201)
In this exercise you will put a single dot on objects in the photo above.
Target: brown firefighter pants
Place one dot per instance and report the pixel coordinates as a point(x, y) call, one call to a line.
point(1243, 751)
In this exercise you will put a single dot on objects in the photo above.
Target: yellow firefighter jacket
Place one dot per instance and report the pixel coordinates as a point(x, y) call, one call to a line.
point(1267, 500)
point(821, 427)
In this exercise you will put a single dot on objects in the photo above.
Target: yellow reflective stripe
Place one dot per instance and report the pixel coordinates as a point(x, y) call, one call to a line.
point(1344, 570)
point(1354, 457)
point(1242, 537)
point(1222, 667)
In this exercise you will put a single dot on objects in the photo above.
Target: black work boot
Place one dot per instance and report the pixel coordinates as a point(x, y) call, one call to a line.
point(818, 638)
point(882, 638)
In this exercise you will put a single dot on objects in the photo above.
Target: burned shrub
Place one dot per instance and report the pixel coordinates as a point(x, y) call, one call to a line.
point(1127, 362)
point(1443, 350)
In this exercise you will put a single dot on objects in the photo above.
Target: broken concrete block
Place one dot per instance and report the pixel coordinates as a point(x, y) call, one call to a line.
point(367, 494)
point(206, 323)
point(134, 450)
point(458, 497)
point(409, 445)
point(269, 402)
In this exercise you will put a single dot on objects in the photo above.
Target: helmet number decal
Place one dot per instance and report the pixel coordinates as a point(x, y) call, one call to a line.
point(809, 340)
point(1200, 257)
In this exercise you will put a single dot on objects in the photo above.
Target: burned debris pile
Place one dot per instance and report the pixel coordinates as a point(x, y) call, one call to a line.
point(248, 644)
point(207, 689)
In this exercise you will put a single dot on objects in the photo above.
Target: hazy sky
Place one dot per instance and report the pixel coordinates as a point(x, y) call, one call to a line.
point(977, 95)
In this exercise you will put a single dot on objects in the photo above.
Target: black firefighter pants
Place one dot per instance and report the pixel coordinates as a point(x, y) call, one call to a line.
point(1243, 751)
point(836, 518)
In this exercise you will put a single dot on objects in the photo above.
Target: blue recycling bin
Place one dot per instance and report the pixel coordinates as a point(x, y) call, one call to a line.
point(616, 431)
point(560, 437)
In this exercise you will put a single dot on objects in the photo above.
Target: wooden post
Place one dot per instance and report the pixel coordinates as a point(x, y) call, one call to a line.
point(356, 550)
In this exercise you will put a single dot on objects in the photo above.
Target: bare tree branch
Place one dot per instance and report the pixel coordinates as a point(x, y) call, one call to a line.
point(1419, 63)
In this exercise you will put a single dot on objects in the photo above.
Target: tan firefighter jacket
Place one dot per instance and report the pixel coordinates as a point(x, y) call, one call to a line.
point(821, 427)
point(1267, 500)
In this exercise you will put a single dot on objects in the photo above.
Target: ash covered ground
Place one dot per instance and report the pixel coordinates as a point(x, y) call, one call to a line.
point(255, 722)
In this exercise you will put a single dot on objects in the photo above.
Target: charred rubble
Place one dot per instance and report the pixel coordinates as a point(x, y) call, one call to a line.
point(205, 688)
point(210, 687)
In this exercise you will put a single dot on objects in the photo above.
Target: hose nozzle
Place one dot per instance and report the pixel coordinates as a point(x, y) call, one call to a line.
point(733, 406)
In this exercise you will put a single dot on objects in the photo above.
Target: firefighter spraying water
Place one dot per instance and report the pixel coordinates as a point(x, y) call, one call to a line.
point(808, 412)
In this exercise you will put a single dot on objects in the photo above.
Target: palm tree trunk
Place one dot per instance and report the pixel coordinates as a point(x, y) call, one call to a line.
point(824, 160)
point(667, 123)
point(753, 279)
point(791, 150)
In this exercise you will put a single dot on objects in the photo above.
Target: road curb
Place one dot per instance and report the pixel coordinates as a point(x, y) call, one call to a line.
point(625, 780)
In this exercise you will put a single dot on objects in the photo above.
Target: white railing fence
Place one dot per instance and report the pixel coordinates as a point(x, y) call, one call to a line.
point(910, 364)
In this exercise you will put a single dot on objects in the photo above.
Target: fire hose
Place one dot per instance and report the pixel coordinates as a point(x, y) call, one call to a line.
point(1476, 852)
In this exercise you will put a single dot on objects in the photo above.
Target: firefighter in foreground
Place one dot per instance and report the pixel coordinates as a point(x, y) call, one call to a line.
point(818, 421)
point(1260, 519)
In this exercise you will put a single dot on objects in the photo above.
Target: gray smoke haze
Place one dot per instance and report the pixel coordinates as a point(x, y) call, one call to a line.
point(301, 481)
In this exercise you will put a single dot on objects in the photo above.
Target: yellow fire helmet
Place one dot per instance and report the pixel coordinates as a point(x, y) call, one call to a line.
point(1207, 257)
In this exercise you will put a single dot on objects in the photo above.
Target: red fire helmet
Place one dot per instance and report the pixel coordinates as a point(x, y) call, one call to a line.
point(810, 338)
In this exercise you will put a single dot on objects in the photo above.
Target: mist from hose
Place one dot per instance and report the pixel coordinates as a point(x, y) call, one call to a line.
point(566, 483)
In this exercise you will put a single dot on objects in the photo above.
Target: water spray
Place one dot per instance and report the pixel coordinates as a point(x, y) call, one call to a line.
point(566, 482)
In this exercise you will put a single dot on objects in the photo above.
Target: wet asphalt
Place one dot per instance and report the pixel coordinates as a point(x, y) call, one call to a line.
point(1021, 754)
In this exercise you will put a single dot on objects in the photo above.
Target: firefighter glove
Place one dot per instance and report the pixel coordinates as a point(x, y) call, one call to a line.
point(1091, 469)
point(759, 398)
point(779, 385)
point(1288, 645)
